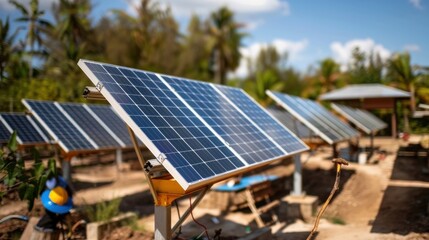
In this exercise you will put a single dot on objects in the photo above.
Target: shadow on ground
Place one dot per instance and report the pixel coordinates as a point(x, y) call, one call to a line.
point(403, 210)
point(318, 182)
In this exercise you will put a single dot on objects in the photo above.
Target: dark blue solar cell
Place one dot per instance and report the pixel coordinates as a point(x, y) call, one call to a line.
point(27, 133)
point(62, 130)
point(274, 129)
point(90, 125)
point(242, 135)
point(166, 122)
point(4, 134)
point(315, 117)
point(336, 124)
point(308, 117)
point(113, 122)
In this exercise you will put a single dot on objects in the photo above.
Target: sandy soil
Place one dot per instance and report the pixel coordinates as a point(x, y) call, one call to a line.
point(385, 200)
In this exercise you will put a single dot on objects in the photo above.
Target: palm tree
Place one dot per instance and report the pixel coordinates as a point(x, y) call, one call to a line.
point(267, 79)
point(36, 25)
point(401, 71)
point(328, 72)
point(73, 20)
point(226, 41)
point(7, 47)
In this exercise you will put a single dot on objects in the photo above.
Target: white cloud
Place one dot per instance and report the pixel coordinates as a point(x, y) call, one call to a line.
point(292, 48)
point(412, 48)
point(342, 52)
point(185, 8)
point(416, 3)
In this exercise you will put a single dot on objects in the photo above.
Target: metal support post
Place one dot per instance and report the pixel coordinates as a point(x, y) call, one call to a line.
point(119, 160)
point(297, 176)
point(66, 168)
point(162, 222)
point(188, 211)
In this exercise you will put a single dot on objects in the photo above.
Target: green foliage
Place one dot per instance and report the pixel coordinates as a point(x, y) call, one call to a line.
point(337, 220)
point(28, 183)
point(103, 211)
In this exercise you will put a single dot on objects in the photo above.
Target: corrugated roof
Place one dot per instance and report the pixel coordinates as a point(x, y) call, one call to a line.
point(362, 91)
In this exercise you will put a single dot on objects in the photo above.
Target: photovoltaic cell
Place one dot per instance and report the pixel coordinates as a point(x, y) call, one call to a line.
point(179, 138)
point(315, 117)
point(289, 142)
point(191, 128)
point(362, 119)
point(90, 125)
point(4, 134)
point(243, 136)
point(58, 125)
point(27, 134)
point(113, 122)
point(290, 122)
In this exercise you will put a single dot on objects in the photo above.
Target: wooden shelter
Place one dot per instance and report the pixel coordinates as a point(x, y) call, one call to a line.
point(369, 96)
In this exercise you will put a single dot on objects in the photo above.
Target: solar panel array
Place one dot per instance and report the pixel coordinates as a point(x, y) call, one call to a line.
point(314, 116)
point(363, 119)
point(28, 132)
point(75, 127)
point(193, 128)
point(4, 133)
point(290, 122)
point(283, 136)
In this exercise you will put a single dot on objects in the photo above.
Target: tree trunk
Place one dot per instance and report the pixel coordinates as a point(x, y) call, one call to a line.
point(412, 98)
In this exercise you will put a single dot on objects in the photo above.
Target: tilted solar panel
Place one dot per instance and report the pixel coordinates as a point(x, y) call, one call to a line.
point(234, 128)
point(283, 136)
point(371, 117)
point(59, 126)
point(189, 126)
point(28, 133)
point(91, 125)
point(315, 117)
point(4, 134)
point(290, 122)
point(341, 127)
point(112, 121)
point(362, 119)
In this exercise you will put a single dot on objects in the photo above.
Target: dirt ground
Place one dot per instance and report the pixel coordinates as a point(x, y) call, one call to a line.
point(386, 199)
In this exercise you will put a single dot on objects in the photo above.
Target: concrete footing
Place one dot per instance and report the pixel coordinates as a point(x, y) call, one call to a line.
point(303, 207)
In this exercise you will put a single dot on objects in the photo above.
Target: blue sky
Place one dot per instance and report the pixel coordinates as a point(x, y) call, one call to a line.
point(308, 30)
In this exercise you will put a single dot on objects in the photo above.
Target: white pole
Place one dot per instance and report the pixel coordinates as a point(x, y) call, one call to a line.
point(297, 176)
point(163, 222)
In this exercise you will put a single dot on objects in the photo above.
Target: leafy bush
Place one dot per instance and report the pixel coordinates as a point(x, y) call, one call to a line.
point(103, 211)
point(29, 183)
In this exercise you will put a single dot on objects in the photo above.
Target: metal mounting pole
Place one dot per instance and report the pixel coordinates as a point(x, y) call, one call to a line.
point(119, 161)
point(162, 222)
point(297, 176)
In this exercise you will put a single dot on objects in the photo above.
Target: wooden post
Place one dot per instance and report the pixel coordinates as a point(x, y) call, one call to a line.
point(394, 121)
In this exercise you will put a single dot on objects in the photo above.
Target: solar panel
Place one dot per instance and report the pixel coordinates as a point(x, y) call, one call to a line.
point(91, 125)
point(61, 128)
point(232, 126)
point(362, 119)
point(4, 133)
point(28, 133)
point(112, 121)
point(315, 117)
point(371, 117)
point(283, 136)
point(189, 126)
point(290, 122)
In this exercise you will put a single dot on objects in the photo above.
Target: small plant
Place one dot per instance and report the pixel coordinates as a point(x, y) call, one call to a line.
point(103, 211)
point(28, 183)
point(337, 220)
